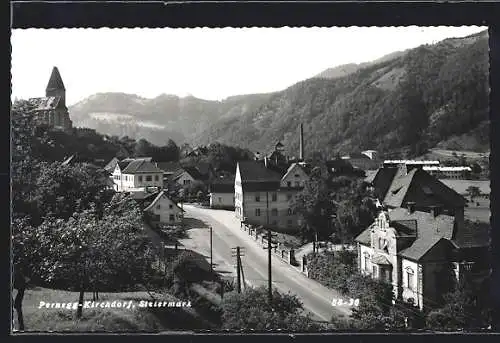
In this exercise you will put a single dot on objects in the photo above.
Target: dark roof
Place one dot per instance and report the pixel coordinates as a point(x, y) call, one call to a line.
point(252, 171)
point(222, 187)
point(143, 195)
point(195, 173)
point(382, 181)
point(420, 248)
point(169, 167)
point(364, 237)
point(472, 236)
point(55, 81)
point(45, 103)
point(111, 164)
point(426, 189)
point(141, 166)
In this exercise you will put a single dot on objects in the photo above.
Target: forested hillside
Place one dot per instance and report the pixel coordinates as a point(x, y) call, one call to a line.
point(429, 96)
point(158, 119)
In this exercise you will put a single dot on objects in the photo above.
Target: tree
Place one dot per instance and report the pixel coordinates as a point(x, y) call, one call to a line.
point(315, 206)
point(87, 252)
point(62, 190)
point(467, 306)
point(251, 310)
point(473, 192)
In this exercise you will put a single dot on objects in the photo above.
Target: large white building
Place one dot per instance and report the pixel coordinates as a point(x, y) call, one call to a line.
point(263, 196)
point(134, 175)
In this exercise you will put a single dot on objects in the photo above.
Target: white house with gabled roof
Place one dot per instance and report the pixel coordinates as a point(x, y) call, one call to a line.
point(163, 210)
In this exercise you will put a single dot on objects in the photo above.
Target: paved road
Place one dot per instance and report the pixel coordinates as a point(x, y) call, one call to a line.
point(227, 234)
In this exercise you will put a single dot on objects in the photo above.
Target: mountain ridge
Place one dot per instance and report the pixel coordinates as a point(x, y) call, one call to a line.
point(380, 95)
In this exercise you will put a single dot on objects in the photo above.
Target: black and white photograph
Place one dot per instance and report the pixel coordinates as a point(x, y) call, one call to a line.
point(293, 179)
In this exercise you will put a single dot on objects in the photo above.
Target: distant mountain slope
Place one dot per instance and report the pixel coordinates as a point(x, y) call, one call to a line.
point(346, 69)
point(160, 118)
point(432, 95)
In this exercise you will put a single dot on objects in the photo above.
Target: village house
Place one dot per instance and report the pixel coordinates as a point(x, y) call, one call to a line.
point(396, 187)
point(422, 254)
point(51, 110)
point(222, 194)
point(132, 175)
point(263, 196)
point(163, 210)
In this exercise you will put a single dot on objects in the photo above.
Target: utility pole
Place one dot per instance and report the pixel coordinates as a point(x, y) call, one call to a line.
point(270, 246)
point(238, 252)
point(211, 261)
point(269, 271)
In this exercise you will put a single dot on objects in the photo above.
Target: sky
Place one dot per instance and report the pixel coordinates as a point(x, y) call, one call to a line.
point(207, 63)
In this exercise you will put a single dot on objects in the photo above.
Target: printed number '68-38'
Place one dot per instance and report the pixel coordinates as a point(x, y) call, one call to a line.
point(342, 302)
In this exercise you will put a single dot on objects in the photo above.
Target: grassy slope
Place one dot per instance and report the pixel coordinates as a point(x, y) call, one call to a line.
point(108, 319)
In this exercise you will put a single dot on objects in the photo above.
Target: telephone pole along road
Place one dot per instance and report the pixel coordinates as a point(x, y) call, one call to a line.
point(226, 232)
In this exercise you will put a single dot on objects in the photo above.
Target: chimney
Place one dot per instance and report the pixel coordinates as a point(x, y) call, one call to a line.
point(301, 142)
point(435, 211)
point(411, 206)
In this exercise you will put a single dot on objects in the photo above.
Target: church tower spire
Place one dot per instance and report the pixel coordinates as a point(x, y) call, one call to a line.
point(55, 87)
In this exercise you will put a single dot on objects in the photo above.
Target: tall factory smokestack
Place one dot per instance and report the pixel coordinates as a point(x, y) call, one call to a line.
point(301, 142)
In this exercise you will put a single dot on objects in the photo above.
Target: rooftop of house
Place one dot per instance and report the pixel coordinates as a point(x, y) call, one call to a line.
point(157, 198)
point(253, 171)
point(393, 184)
point(111, 164)
point(169, 167)
point(222, 186)
point(428, 230)
point(140, 166)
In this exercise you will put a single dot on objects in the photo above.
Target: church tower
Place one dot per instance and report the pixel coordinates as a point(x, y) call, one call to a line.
point(55, 87)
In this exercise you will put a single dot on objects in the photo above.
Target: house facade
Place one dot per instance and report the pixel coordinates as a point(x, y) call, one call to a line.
point(134, 175)
point(222, 195)
point(263, 196)
point(456, 173)
point(162, 210)
point(422, 255)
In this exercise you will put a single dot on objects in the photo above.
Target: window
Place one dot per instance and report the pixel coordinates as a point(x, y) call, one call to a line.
point(157, 178)
point(297, 175)
point(171, 217)
point(158, 206)
point(385, 274)
point(297, 183)
point(257, 212)
point(289, 212)
point(374, 271)
point(289, 183)
point(409, 278)
point(274, 197)
point(367, 259)
point(149, 178)
point(186, 182)
point(274, 212)
point(257, 198)
point(220, 199)
point(140, 178)
point(170, 206)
